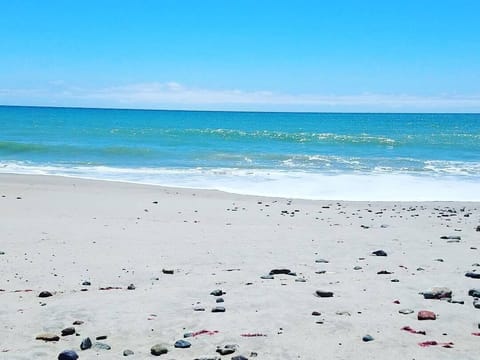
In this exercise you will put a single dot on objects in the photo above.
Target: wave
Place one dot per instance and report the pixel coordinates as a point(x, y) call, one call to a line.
point(374, 186)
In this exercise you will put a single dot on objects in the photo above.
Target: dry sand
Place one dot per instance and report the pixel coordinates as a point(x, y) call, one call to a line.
point(57, 233)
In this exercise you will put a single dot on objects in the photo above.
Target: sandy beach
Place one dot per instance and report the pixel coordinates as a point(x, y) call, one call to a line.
point(137, 264)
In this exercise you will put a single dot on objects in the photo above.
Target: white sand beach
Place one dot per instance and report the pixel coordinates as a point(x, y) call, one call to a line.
point(57, 233)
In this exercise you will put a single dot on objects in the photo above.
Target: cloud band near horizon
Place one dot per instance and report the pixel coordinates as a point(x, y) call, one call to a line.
point(172, 95)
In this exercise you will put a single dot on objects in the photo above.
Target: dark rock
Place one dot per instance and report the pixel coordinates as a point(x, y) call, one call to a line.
point(226, 349)
point(131, 287)
point(68, 331)
point(450, 237)
point(267, 277)
point(158, 350)
point(48, 337)
point(384, 272)
point(473, 275)
point(478, 228)
point(218, 309)
point(128, 352)
point(239, 357)
point(379, 253)
point(77, 322)
point(217, 292)
point(474, 292)
point(323, 294)
point(300, 280)
point(182, 344)
point(68, 355)
point(219, 300)
point(357, 268)
point(45, 294)
point(101, 337)
point(101, 346)
point(2, 252)
point(86, 344)
point(322, 261)
point(438, 293)
point(426, 315)
point(367, 338)
point(476, 303)
point(316, 313)
point(198, 308)
point(167, 271)
point(406, 311)
point(86, 283)
point(280, 272)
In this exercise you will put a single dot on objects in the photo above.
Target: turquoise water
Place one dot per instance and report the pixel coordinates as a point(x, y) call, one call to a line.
point(306, 155)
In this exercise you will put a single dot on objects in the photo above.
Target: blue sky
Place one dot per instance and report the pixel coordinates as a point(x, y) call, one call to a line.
point(298, 55)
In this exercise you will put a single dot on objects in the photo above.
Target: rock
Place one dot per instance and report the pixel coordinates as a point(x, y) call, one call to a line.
point(45, 294)
point(357, 268)
point(131, 287)
point(2, 252)
point(182, 344)
point(101, 346)
point(379, 253)
point(316, 313)
point(226, 349)
point(219, 300)
point(239, 357)
point(368, 338)
point(426, 315)
point(384, 272)
point(77, 322)
point(438, 293)
point(478, 228)
point(86, 344)
point(167, 271)
point(68, 355)
point(218, 309)
point(300, 280)
point(86, 283)
point(101, 337)
point(323, 294)
point(158, 350)
point(217, 292)
point(280, 272)
point(473, 275)
point(406, 311)
point(48, 337)
point(451, 237)
point(68, 331)
point(198, 308)
point(476, 303)
point(128, 352)
point(322, 261)
point(474, 292)
point(267, 277)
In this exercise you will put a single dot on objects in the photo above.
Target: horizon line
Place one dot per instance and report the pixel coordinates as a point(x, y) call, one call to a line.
point(239, 111)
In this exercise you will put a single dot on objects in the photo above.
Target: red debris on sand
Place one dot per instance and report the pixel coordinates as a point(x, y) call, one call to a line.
point(208, 332)
point(476, 334)
point(110, 288)
point(410, 330)
point(252, 334)
point(434, 343)
point(426, 315)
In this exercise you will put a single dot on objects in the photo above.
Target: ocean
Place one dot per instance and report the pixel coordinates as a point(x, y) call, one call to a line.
point(334, 156)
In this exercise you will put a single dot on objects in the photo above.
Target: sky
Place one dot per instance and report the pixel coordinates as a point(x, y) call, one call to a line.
point(262, 55)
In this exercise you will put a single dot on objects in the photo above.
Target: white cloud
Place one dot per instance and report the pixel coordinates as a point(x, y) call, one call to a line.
point(157, 95)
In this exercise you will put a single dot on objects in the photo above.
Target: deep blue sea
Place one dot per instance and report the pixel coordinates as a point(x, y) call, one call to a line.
point(299, 155)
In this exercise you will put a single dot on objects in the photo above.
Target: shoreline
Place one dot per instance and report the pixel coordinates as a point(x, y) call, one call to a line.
point(346, 178)
point(60, 232)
